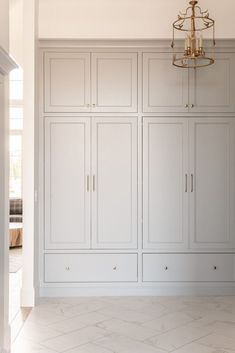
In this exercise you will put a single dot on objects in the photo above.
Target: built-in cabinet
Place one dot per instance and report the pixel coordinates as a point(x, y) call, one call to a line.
point(137, 188)
point(88, 201)
point(165, 200)
point(188, 183)
point(90, 82)
point(170, 89)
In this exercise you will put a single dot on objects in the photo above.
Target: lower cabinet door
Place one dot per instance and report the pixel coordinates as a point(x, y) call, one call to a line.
point(212, 183)
point(165, 183)
point(67, 196)
point(188, 267)
point(114, 183)
point(90, 268)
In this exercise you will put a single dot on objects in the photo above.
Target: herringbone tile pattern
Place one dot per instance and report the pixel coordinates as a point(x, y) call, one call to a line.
point(130, 325)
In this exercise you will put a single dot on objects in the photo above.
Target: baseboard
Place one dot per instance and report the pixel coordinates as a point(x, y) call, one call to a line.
point(28, 297)
point(160, 290)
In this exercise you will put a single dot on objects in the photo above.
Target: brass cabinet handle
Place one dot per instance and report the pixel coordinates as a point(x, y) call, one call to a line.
point(88, 183)
point(186, 182)
point(192, 105)
point(93, 182)
point(192, 186)
point(186, 105)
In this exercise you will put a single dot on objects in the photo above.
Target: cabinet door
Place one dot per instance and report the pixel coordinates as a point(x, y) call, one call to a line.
point(114, 196)
point(212, 200)
point(212, 89)
point(165, 87)
point(165, 189)
point(67, 82)
point(67, 196)
point(114, 82)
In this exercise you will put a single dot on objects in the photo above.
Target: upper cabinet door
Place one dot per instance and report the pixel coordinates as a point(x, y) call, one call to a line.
point(67, 82)
point(212, 189)
point(114, 183)
point(114, 82)
point(212, 89)
point(67, 189)
point(165, 87)
point(165, 183)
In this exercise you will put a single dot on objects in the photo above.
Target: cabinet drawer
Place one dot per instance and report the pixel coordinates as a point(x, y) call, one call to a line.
point(188, 267)
point(90, 268)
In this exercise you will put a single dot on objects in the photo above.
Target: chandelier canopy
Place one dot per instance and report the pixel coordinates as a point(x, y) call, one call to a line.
point(193, 23)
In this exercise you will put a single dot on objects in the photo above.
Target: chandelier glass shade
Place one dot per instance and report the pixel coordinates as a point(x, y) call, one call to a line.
point(193, 23)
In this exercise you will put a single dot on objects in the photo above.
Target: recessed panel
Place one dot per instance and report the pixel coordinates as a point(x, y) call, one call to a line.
point(164, 182)
point(67, 82)
point(114, 82)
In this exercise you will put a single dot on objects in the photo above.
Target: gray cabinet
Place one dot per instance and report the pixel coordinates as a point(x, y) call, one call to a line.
point(90, 82)
point(165, 88)
point(212, 190)
point(170, 89)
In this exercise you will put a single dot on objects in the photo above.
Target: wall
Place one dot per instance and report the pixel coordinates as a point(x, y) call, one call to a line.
point(16, 30)
point(124, 18)
point(4, 21)
point(4, 328)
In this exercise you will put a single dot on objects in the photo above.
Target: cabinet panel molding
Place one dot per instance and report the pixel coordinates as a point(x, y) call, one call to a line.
point(114, 82)
point(188, 267)
point(67, 82)
point(67, 165)
point(165, 87)
point(212, 165)
point(90, 268)
point(114, 167)
point(213, 89)
point(165, 168)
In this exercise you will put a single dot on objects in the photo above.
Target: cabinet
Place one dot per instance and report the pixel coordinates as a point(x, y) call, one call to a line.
point(170, 89)
point(165, 202)
point(188, 268)
point(212, 193)
point(114, 174)
point(85, 82)
point(75, 177)
point(90, 268)
point(66, 82)
point(188, 183)
point(67, 164)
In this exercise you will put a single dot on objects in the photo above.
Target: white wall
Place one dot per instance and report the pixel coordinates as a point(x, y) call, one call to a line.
point(4, 328)
point(16, 30)
point(124, 18)
point(4, 22)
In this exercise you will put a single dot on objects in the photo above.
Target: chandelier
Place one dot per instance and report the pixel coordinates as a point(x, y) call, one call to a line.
point(193, 22)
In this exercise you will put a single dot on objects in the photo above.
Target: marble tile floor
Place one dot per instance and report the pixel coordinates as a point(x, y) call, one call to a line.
point(130, 325)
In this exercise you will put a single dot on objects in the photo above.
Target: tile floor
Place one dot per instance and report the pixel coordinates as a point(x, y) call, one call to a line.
point(130, 325)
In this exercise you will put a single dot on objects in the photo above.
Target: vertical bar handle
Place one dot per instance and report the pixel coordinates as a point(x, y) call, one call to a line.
point(93, 183)
point(88, 183)
point(192, 186)
point(186, 182)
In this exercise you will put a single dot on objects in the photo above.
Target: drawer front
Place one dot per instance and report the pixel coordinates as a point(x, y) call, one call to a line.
point(90, 268)
point(188, 267)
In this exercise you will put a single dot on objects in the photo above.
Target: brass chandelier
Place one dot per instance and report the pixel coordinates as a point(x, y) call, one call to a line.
point(193, 22)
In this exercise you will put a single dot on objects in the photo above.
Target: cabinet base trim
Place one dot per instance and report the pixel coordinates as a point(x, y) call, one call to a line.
point(184, 290)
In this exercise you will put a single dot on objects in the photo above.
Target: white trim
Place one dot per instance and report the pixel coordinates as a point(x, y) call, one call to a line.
point(160, 44)
point(160, 290)
point(6, 62)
